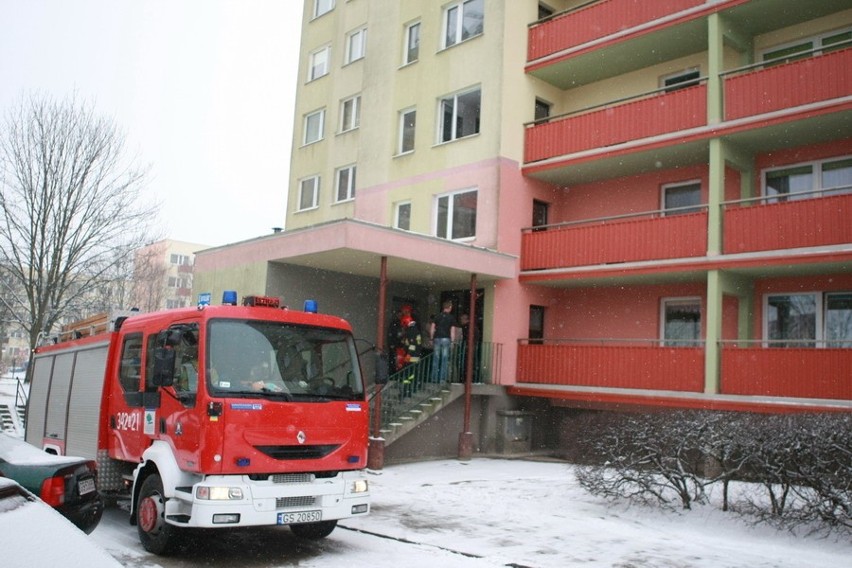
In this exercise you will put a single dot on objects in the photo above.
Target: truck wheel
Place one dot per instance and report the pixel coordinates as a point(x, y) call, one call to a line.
point(156, 535)
point(313, 531)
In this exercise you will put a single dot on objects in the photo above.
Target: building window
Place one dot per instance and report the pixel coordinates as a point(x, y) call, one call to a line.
point(456, 217)
point(345, 183)
point(350, 113)
point(681, 319)
point(177, 282)
point(322, 7)
point(407, 124)
point(459, 115)
point(540, 213)
point(309, 193)
point(680, 198)
point(680, 80)
point(542, 110)
point(791, 320)
point(179, 259)
point(544, 11)
point(812, 179)
point(462, 21)
point(838, 320)
point(536, 328)
point(412, 43)
point(319, 63)
point(812, 319)
point(314, 123)
point(799, 49)
point(356, 45)
point(402, 216)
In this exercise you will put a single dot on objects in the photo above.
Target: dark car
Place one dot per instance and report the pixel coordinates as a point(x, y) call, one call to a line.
point(68, 484)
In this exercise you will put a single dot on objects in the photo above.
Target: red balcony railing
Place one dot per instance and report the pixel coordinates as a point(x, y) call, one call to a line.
point(818, 221)
point(614, 241)
point(596, 20)
point(612, 366)
point(659, 113)
point(787, 372)
point(789, 85)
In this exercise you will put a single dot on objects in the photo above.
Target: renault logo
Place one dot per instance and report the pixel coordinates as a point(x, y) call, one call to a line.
point(300, 437)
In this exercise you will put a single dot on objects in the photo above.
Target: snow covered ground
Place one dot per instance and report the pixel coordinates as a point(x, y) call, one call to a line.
point(491, 512)
point(498, 513)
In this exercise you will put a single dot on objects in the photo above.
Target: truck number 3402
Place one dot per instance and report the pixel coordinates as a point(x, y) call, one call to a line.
point(127, 421)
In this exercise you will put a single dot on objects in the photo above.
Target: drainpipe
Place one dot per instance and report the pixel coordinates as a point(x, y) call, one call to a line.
point(466, 436)
point(376, 452)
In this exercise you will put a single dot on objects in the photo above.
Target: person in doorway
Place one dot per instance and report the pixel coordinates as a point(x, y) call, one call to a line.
point(442, 331)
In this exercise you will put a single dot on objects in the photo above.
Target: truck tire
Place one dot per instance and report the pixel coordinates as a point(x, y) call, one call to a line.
point(157, 536)
point(313, 531)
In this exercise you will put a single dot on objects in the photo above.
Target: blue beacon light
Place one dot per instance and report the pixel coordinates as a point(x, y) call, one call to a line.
point(311, 306)
point(229, 298)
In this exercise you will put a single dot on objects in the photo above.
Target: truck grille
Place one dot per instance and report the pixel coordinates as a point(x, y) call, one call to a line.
point(295, 502)
point(292, 478)
point(298, 452)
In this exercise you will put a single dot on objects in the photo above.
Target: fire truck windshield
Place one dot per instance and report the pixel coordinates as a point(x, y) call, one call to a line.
point(270, 359)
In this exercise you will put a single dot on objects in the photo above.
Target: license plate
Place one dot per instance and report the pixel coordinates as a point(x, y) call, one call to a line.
point(85, 486)
point(300, 517)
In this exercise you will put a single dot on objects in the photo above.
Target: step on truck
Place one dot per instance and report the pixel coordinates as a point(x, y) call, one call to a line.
point(210, 417)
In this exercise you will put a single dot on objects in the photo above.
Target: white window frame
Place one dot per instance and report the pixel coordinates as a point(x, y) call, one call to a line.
point(816, 188)
point(680, 79)
point(314, 181)
point(322, 7)
point(320, 129)
point(458, 29)
point(406, 46)
point(682, 301)
point(454, 97)
point(675, 185)
point(354, 115)
point(451, 213)
point(815, 42)
point(349, 189)
point(402, 131)
point(818, 317)
point(317, 68)
point(396, 210)
point(356, 45)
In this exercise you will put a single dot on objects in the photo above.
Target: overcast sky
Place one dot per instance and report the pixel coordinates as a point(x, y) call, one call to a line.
point(203, 90)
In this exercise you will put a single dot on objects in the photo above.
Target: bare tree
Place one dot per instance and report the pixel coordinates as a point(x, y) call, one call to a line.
point(71, 207)
point(149, 277)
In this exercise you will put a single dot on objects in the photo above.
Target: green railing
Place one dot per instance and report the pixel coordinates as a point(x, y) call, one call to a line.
point(408, 389)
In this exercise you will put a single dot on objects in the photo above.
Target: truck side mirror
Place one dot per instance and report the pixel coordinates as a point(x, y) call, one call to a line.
point(381, 368)
point(164, 367)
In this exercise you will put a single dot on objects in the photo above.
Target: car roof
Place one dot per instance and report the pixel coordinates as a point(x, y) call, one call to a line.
point(17, 451)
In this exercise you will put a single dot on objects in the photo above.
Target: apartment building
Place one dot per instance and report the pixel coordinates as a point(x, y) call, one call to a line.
point(162, 276)
point(643, 203)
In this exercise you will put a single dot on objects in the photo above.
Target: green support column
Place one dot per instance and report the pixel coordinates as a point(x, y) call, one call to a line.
point(715, 66)
point(716, 194)
point(712, 350)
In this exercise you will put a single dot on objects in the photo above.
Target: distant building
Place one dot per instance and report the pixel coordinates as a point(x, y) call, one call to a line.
point(162, 275)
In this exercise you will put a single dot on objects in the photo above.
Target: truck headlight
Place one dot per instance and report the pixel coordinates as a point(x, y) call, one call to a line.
point(219, 493)
point(360, 486)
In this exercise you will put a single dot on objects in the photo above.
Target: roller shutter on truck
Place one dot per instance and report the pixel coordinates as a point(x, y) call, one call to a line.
point(72, 379)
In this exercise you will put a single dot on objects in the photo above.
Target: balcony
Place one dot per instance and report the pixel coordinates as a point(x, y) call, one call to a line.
point(821, 221)
point(650, 114)
point(611, 364)
point(757, 89)
point(595, 20)
point(634, 238)
point(754, 371)
point(787, 372)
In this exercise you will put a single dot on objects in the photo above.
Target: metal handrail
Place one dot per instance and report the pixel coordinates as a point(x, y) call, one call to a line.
point(20, 394)
point(616, 102)
point(652, 213)
point(792, 57)
point(841, 189)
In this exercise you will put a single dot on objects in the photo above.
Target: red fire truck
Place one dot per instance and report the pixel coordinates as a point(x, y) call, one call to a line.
point(216, 416)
